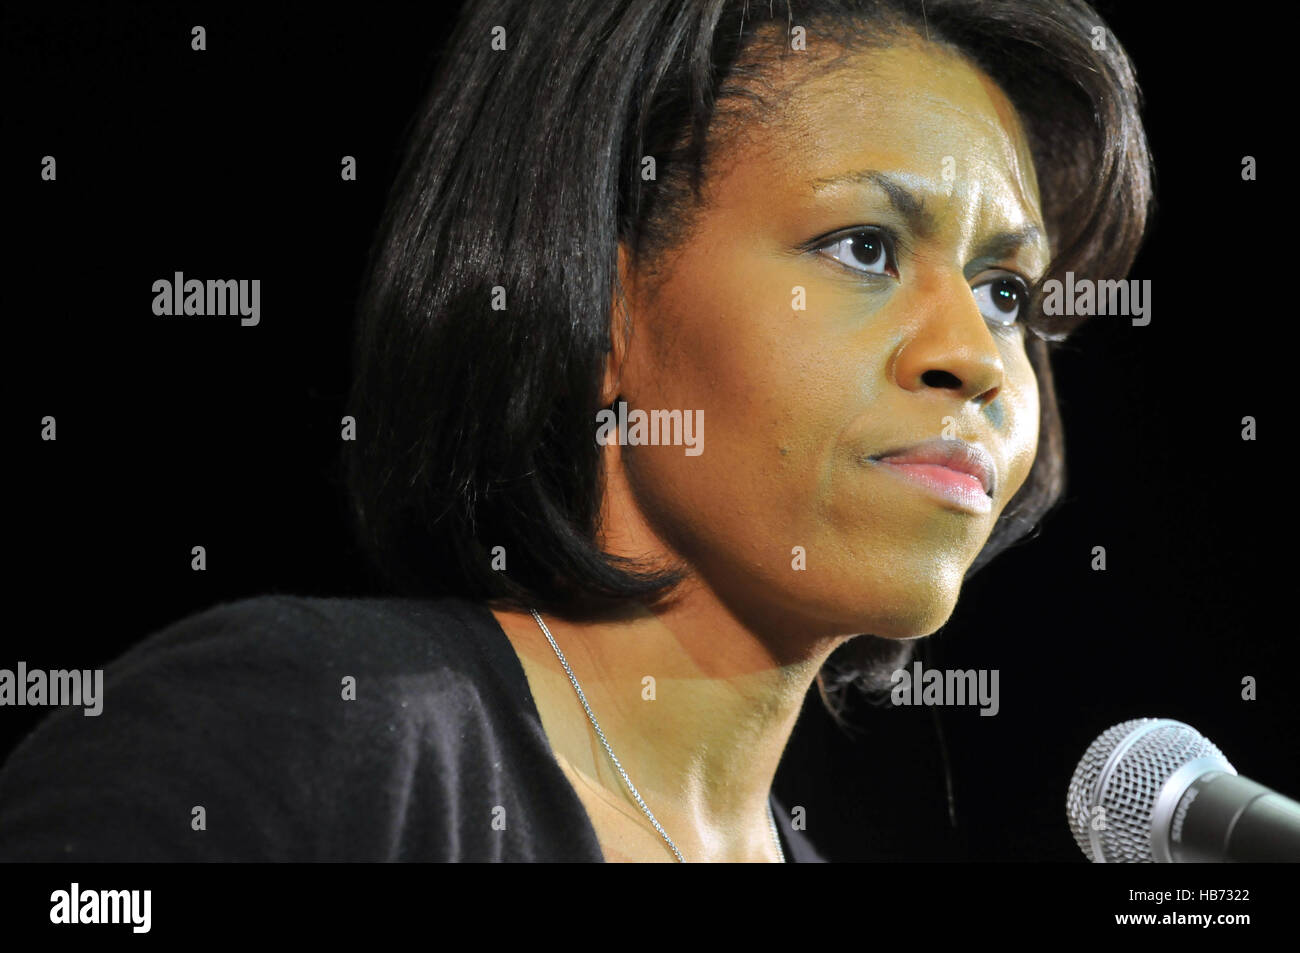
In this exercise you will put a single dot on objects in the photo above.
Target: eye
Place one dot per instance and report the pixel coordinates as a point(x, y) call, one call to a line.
point(1002, 300)
point(866, 250)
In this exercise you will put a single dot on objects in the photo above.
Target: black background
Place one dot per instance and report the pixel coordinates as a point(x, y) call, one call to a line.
point(175, 432)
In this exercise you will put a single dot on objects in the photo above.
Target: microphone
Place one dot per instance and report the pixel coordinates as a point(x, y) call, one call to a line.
point(1154, 790)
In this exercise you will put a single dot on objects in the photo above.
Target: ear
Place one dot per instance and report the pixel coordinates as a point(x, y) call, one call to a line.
point(620, 328)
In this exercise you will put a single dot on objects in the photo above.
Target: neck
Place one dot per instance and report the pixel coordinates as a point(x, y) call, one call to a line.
point(695, 703)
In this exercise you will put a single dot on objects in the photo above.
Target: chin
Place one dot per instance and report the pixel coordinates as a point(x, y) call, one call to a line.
point(918, 624)
point(907, 612)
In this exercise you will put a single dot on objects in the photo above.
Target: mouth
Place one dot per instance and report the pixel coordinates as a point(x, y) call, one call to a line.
point(961, 473)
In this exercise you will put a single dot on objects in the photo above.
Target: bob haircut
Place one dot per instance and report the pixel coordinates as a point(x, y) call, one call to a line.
point(522, 173)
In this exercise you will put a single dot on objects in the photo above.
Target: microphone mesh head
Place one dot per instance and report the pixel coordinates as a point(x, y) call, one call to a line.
point(1149, 751)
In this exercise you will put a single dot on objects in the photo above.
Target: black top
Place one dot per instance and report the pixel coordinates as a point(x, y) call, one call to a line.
point(242, 710)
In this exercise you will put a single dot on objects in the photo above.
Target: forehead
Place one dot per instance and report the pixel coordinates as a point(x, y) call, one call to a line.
point(918, 112)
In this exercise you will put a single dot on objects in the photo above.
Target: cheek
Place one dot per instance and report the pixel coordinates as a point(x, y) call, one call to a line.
point(722, 336)
point(740, 353)
point(1015, 418)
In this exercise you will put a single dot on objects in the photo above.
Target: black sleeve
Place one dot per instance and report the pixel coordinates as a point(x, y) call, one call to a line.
point(209, 747)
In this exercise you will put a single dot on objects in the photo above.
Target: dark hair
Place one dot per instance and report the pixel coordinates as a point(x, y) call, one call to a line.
point(475, 426)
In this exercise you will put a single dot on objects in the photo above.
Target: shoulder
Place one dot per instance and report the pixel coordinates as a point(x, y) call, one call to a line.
point(311, 651)
point(239, 732)
point(291, 657)
point(308, 630)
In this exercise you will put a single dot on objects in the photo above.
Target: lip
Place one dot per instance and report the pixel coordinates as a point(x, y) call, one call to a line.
point(960, 472)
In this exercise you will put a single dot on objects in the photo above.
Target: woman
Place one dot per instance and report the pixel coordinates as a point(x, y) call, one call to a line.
point(701, 361)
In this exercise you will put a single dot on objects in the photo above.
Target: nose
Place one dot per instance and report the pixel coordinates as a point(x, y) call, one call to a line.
point(949, 345)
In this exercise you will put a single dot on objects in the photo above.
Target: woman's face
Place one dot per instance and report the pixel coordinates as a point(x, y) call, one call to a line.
point(848, 291)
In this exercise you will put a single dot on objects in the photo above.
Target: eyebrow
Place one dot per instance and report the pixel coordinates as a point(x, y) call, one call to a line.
point(912, 207)
point(1007, 244)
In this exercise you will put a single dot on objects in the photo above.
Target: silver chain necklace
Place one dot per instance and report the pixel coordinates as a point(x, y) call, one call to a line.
point(771, 820)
